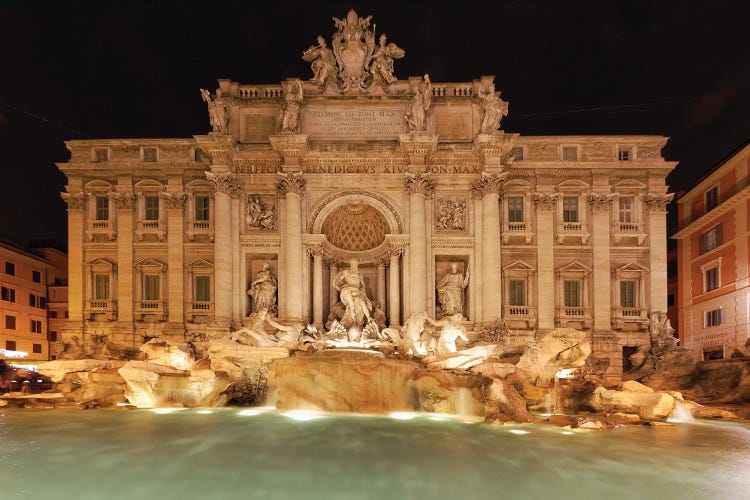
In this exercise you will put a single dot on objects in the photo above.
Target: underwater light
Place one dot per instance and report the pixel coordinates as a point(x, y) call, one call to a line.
point(303, 415)
point(402, 415)
point(204, 412)
point(568, 433)
point(164, 411)
point(518, 431)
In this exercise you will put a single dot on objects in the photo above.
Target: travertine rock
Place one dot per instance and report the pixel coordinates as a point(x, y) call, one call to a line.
point(160, 352)
point(506, 400)
point(649, 406)
point(558, 349)
point(58, 369)
point(494, 369)
point(242, 361)
point(633, 386)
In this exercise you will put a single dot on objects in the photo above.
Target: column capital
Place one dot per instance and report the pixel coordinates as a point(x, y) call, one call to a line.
point(225, 183)
point(75, 200)
point(315, 251)
point(292, 182)
point(489, 183)
point(545, 201)
point(173, 200)
point(419, 183)
point(601, 202)
point(657, 202)
point(123, 199)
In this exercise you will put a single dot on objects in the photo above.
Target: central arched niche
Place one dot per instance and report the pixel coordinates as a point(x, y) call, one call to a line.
point(355, 226)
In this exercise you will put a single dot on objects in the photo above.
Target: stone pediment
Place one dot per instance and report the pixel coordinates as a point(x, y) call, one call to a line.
point(200, 264)
point(631, 267)
point(574, 268)
point(149, 263)
point(518, 266)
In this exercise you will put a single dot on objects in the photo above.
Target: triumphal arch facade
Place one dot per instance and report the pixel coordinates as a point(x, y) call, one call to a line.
point(442, 209)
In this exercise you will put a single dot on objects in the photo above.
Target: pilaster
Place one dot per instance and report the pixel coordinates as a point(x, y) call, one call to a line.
point(657, 230)
point(291, 187)
point(601, 204)
point(124, 200)
point(545, 219)
point(418, 186)
point(174, 203)
point(490, 186)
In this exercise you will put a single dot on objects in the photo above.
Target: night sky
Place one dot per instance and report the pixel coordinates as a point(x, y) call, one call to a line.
point(78, 70)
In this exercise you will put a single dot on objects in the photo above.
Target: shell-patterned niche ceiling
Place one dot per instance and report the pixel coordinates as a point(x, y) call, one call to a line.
point(356, 227)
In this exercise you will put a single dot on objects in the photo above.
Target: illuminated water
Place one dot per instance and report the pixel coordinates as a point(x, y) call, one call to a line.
point(230, 453)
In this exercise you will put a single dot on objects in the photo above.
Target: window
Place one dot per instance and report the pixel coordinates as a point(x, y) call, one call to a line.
point(53, 336)
point(8, 294)
point(713, 354)
point(627, 293)
point(101, 208)
point(570, 209)
point(37, 301)
point(66, 314)
point(36, 348)
point(10, 345)
point(10, 322)
point(151, 207)
point(517, 153)
point(712, 279)
point(101, 155)
point(624, 154)
point(712, 198)
point(626, 209)
point(53, 314)
point(572, 293)
point(150, 154)
point(515, 208)
point(101, 286)
point(202, 207)
point(517, 292)
point(151, 287)
point(711, 239)
point(570, 153)
point(10, 268)
point(202, 288)
point(713, 317)
point(36, 276)
point(36, 326)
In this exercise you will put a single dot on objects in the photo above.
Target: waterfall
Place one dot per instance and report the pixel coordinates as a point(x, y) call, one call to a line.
point(680, 414)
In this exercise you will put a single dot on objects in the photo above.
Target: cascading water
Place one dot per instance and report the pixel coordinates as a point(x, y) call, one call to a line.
point(681, 414)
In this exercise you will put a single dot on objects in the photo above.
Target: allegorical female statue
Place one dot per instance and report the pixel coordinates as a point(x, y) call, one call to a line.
point(353, 296)
point(263, 290)
point(323, 62)
point(289, 119)
point(450, 291)
point(417, 111)
point(495, 109)
point(217, 115)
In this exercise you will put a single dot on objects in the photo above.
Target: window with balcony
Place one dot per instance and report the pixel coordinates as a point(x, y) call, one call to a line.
point(517, 292)
point(515, 209)
point(200, 279)
point(202, 207)
point(713, 317)
point(150, 297)
point(573, 302)
point(570, 153)
point(629, 296)
point(202, 288)
point(101, 287)
point(8, 294)
point(710, 239)
point(572, 293)
point(625, 209)
point(519, 295)
point(199, 208)
point(712, 198)
point(101, 207)
point(151, 207)
point(570, 209)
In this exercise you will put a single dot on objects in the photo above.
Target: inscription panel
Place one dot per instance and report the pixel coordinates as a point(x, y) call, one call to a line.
point(366, 122)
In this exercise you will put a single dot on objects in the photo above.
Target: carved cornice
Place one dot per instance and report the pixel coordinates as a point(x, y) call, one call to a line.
point(419, 184)
point(602, 201)
point(123, 199)
point(488, 184)
point(173, 200)
point(657, 202)
point(225, 183)
point(545, 201)
point(292, 182)
point(75, 201)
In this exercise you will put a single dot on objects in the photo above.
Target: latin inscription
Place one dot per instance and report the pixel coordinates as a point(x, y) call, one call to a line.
point(370, 123)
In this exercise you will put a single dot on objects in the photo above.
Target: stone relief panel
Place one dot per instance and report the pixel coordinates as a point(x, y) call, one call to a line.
point(451, 213)
point(260, 212)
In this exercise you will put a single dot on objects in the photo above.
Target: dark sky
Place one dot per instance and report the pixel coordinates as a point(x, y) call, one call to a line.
point(72, 70)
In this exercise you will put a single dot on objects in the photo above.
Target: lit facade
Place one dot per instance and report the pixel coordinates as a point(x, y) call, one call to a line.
point(712, 243)
point(166, 236)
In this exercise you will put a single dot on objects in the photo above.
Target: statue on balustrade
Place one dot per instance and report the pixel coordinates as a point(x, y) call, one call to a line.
point(351, 288)
point(289, 117)
point(450, 291)
point(217, 113)
point(416, 113)
point(495, 109)
point(263, 290)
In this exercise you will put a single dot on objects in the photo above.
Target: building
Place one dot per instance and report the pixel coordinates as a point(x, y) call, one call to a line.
point(410, 177)
point(712, 242)
point(24, 278)
point(57, 294)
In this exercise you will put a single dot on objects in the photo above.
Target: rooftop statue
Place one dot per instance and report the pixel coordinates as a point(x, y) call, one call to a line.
point(217, 113)
point(495, 109)
point(416, 113)
point(382, 60)
point(323, 62)
point(289, 117)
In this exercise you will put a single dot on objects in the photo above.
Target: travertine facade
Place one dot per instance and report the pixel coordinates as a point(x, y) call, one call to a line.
point(407, 176)
point(712, 245)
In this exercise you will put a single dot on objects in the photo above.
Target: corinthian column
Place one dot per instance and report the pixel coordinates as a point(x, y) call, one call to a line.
point(490, 185)
point(601, 205)
point(175, 207)
point(394, 304)
point(545, 211)
point(317, 254)
point(657, 257)
point(124, 202)
point(225, 187)
point(291, 187)
point(417, 186)
point(75, 203)
point(332, 293)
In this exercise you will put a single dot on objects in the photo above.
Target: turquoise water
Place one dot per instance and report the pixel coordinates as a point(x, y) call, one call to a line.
point(230, 453)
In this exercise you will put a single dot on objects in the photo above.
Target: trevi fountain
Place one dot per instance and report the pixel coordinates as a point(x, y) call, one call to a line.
point(397, 387)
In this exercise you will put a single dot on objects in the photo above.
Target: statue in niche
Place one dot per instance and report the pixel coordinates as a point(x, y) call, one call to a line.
point(495, 109)
point(450, 328)
point(416, 113)
point(259, 215)
point(217, 112)
point(289, 117)
point(382, 60)
point(451, 214)
point(351, 288)
point(323, 62)
point(263, 290)
point(450, 291)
